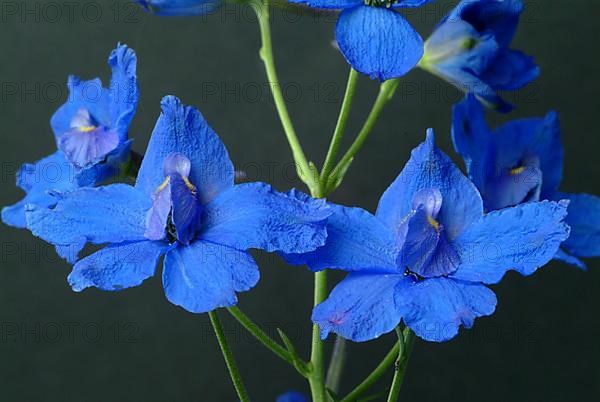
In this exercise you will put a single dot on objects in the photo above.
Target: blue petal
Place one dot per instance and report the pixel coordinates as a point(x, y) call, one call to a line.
point(181, 129)
point(360, 308)
point(378, 42)
point(88, 95)
point(563, 256)
point(329, 4)
point(498, 16)
point(513, 187)
point(435, 308)
point(53, 172)
point(511, 70)
point(356, 241)
point(584, 219)
point(522, 238)
point(426, 251)
point(204, 276)
point(180, 8)
point(124, 91)
point(253, 215)
point(430, 168)
point(520, 141)
point(111, 214)
point(117, 267)
point(292, 396)
point(473, 139)
point(84, 149)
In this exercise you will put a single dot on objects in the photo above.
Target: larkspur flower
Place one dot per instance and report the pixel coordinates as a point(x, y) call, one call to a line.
point(522, 161)
point(470, 49)
point(186, 207)
point(373, 37)
point(427, 255)
point(180, 8)
point(91, 135)
point(292, 396)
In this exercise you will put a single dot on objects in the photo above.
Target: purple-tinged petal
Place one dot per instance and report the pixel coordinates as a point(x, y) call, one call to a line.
point(87, 147)
point(436, 308)
point(522, 238)
point(118, 266)
point(204, 276)
point(361, 307)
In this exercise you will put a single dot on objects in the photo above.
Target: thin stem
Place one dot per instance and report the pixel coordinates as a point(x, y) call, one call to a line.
point(340, 127)
point(267, 341)
point(408, 342)
point(386, 92)
point(336, 365)
point(266, 54)
point(228, 356)
point(317, 376)
point(375, 375)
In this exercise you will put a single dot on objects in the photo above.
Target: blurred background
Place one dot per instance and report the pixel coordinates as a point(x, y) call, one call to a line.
point(56, 345)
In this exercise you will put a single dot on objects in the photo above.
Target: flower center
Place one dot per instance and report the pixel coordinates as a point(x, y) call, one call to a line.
point(381, 3)
point(175, 213)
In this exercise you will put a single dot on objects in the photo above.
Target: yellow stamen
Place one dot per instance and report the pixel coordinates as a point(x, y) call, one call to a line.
point(189, 184)
point(86, 129)
point(164, 184)
point(517, 171)
point(434, 223)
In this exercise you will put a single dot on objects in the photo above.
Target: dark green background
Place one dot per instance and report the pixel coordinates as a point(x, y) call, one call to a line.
point(56, 345)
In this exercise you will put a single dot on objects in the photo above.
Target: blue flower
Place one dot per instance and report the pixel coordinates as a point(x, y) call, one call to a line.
point(373, 37)
point(186, 207)
point(428, 254)
point(470, 49)
point(179, 8)
point(292, 396)
point(522, 161)
point(91, 135)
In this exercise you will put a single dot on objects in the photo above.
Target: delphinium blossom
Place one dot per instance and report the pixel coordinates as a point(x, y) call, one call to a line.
point(522, 161)
point(184, 206)
point(90, 130)
point(470, 49)
point(428, 254)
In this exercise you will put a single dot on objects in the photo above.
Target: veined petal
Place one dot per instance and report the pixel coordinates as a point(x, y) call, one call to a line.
point(360, 308)
point(182, 129)
point(329, 4)
point(521, 238)
point(204, 276)
point(117, 267)
point(430, 168)
point(124, 91)
point(356, 241)
point(584, 219)
point(436, 308)
point(253, 215)
point(378, 42)
point(180, 8)
point(110, 214)
point(53, 172)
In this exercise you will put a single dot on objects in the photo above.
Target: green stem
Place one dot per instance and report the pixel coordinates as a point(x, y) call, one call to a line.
point(340, 127)
point(336, 365)
point(407, 339)
point(266, 54)
point(386, 92)
point(375, 375)
point(228, 356)
point(267, 341)
point(317, 375)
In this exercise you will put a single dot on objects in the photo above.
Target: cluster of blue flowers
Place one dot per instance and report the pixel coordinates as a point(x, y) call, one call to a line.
point(425, 258)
